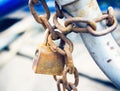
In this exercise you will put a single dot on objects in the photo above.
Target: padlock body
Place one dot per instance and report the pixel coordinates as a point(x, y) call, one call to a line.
point(48, 62)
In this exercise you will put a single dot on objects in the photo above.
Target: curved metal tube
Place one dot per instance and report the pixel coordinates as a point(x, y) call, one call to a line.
point(103, 49)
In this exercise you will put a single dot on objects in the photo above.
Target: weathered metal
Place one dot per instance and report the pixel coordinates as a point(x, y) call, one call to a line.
point(76, 76)
point(66, 51)
point(48, 62)
point(66, 85)
point(42, 19)
point(49, 58)
point(38, 18)
point(111, 22)
point(66, 29)
point(63, 38)
point(59, 81)
point(103, 49)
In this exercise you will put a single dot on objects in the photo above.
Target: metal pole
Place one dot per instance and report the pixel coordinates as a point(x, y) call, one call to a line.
point(103, 49)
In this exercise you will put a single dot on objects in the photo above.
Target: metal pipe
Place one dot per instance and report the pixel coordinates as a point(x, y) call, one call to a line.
point(103, 49)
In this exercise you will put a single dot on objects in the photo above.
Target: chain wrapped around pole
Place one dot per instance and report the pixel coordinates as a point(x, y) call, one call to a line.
point(66, 46)
point(70, 23)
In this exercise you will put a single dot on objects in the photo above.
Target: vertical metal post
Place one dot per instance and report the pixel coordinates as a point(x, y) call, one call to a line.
point(103, 49)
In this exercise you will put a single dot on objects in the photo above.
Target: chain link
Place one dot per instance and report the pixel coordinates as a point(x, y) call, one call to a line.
point(60, 81)
point(76, 76)
point(42, 19)
point(66, 46)
point(111, 22)
point(65, 84)
point(37, 17)
point(63, 29)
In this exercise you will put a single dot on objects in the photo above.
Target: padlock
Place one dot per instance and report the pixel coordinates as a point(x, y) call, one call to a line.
point(48, 62)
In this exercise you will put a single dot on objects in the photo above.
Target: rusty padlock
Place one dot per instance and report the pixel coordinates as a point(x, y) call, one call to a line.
point(48, 62)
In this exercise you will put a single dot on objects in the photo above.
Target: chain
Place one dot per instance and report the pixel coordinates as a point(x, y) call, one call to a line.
point(70, 23)
point(65, 47)
point(65, 84)
point(42, 19)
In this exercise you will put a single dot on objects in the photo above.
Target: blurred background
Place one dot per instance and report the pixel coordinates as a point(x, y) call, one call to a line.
point(19, 36)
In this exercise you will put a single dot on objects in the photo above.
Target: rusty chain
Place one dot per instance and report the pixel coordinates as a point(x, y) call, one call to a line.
point(42, 19)
point(111, 22)
point(70, 23)
point(64, 81)
point(66, 46)
point(62, 37)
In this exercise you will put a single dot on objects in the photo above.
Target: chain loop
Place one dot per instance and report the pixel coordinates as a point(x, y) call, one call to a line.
point(59, 11)
point(69, 60)
point(105, 31)
point(42, 19)
point(56, 48)
point(68, 21)
point(60, 81)
point(73, 87)
point(76, 76)
point(64, 30)
point(67, 85)
point(35, 15)
point(110, 19)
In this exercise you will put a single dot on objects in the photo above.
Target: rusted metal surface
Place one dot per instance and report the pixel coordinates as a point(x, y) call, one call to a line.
point(65, 81)
point(48, 62)
point(63, 38)
point(66, 85)
point(50, 59)
point(98, 46)
point(84, 11)
point(66, 29)
point(110, 21)
point(91, 27)
point(38, 18)
point(42, 19)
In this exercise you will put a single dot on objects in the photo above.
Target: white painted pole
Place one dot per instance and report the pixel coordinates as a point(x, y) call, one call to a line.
point(103, 49)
